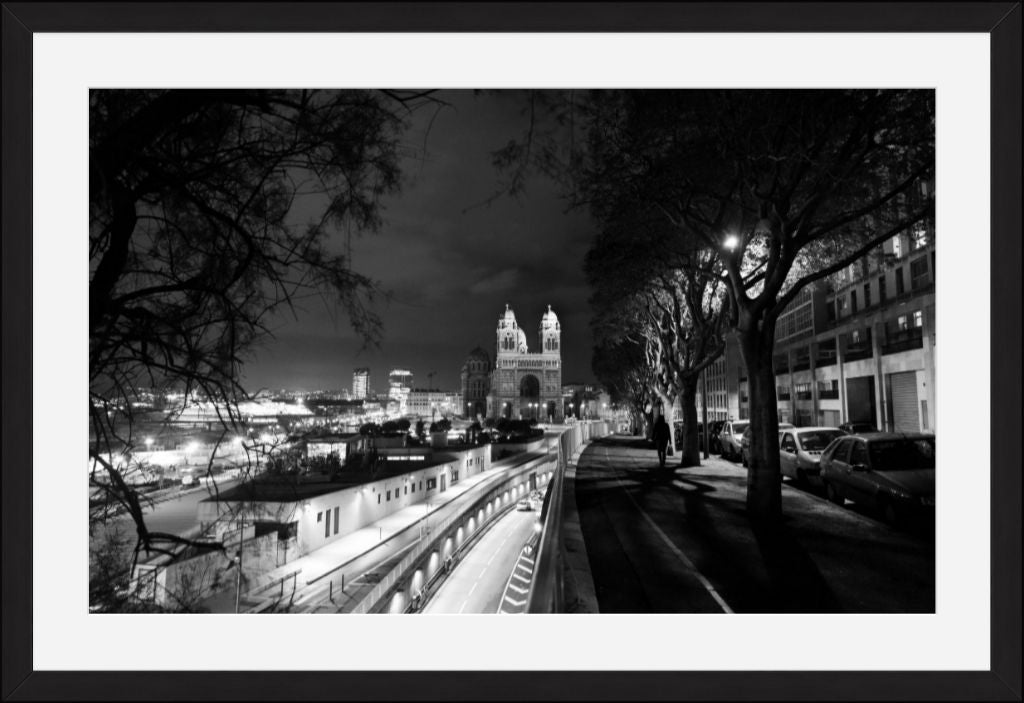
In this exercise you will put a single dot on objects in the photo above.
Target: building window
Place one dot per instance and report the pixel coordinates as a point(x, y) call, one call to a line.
point(389, 495)
point(919, 273)
point(867, 295)
point(828, 389)
point(901, 323)
point(378, 499)
point(406, 492)
point(855, 337)
point(803, 391)
point(853, 302)
point(920, 236)
point(881, 289)
point(897, 246)
point(327, 524)
point(320, 517)
point(899, 281)
point(337, 521)
point(918, 319)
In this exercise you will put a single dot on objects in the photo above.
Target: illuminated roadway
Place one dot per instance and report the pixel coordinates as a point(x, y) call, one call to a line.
point(478, 582)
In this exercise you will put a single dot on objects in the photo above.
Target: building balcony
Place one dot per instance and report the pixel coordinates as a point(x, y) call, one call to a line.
point(902, 343)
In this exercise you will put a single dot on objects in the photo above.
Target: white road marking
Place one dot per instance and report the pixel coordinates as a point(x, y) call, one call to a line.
point(526, 558)
point(675, 550)
point(521, 578)
point(472, 588)
point(463, 606)
point(517, 589)
point(514, 602)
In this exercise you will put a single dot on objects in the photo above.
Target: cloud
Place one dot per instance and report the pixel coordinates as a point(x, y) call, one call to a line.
point(501, 282)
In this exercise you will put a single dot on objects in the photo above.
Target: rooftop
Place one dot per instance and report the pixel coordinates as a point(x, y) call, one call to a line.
point(288, 488)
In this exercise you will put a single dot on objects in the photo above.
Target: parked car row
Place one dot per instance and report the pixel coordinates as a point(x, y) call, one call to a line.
point(892, 473)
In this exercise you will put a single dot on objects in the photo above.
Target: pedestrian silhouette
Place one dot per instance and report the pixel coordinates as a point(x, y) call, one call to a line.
point(661, 437)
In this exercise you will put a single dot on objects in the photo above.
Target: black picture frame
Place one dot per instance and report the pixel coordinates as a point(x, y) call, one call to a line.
point(1000, 20)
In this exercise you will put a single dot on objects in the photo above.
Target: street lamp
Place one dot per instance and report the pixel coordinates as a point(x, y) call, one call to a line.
point(731, 242)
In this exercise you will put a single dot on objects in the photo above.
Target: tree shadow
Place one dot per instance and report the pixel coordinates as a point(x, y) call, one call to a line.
point(795, 583)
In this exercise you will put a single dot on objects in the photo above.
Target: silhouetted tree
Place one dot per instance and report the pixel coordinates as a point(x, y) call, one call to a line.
point(193, 245)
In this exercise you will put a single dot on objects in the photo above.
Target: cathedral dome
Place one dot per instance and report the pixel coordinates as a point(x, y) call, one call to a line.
point(479, 354)
point(549, 317)
point(509, 317)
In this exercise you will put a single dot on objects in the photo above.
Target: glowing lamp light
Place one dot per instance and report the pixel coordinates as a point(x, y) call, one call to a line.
point(149, 442)
point(191, 447)
point(731, 242)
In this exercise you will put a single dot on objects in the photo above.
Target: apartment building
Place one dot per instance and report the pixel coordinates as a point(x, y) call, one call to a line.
point(856, 347)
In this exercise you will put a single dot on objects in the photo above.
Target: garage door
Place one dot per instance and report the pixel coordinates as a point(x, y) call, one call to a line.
point(905, 414)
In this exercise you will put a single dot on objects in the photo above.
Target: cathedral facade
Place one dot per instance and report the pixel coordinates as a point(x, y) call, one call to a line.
point(524, 384)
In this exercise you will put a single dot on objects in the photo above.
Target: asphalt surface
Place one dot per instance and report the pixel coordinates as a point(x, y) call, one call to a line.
point(678, 541)
point(478, 582)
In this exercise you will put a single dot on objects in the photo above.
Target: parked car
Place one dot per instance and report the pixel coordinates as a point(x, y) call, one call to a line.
point(714, 447)
point(858, 427)
point(800, 450)
point(894, 473)
point(730, 436)
point(524, 505)
point(745, 441)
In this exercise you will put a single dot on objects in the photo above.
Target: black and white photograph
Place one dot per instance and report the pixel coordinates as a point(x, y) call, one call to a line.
point(512, 351)
point(622, 318)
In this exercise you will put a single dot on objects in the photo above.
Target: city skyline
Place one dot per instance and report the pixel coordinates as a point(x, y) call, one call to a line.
point(452, 256)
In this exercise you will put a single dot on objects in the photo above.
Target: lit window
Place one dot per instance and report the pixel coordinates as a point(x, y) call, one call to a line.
point(897, 246)
point(920, 236)
point(901, 323)
point(918, 319)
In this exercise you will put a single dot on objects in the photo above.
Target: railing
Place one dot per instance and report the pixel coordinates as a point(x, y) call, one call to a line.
point(547, 593)
point(398, 573)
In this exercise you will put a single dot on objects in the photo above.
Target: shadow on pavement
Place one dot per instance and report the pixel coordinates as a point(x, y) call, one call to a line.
point(796, 585)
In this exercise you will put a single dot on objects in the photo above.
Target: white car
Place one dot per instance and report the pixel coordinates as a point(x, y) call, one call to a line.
point(800, 450)
point(730, 436)
point(523, 505)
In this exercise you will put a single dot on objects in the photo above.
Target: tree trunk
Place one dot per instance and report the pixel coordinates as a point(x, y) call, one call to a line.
point(764, 478)
point(690, 451)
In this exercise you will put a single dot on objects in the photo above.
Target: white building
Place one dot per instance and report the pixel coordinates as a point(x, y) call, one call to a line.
point(360, 383)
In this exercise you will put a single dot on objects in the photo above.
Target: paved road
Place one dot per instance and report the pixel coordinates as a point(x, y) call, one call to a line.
point(478, 582)
point(365, 559)
point(681, 542)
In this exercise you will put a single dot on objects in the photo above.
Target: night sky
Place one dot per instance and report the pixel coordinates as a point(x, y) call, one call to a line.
point(451, 264)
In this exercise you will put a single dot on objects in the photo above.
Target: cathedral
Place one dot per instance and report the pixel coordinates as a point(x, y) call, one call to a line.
point(520, 384)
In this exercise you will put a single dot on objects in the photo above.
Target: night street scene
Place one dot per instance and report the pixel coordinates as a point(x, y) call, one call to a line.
point(512, 351)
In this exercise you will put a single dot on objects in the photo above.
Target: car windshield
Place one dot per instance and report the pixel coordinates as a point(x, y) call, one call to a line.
point(817, 441)
point(902, 454)
point(739, 427)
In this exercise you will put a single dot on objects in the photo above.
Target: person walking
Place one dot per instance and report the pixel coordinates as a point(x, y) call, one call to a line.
point(661, 437)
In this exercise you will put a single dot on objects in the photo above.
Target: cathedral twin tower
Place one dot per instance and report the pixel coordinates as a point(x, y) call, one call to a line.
point(520, 384)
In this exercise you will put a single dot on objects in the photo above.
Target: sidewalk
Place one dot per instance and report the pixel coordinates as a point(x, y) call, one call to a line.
point(681, 542)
